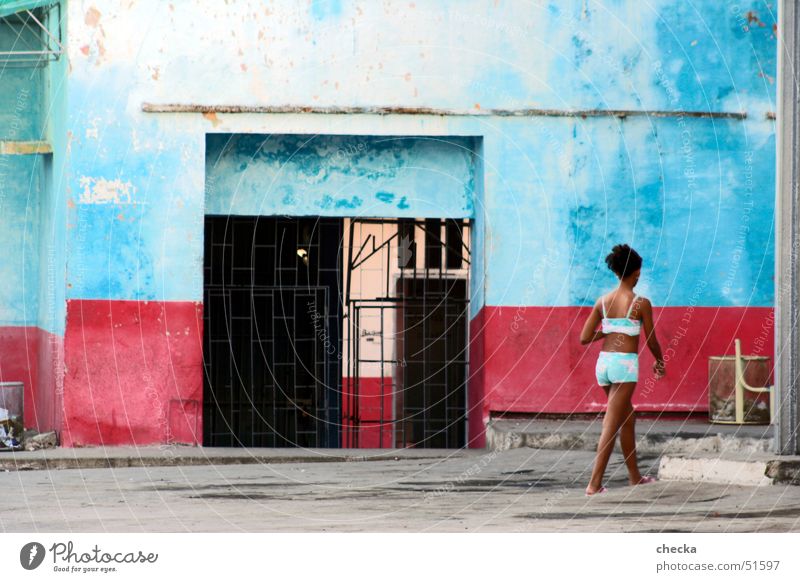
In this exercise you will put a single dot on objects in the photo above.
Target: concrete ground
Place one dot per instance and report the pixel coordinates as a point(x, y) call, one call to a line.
point(519, 490)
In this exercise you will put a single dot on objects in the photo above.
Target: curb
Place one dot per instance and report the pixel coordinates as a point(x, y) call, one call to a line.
point(650, 443)
point(43, 463)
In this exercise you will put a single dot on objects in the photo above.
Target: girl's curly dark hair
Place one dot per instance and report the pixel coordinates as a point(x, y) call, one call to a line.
point(623, 260)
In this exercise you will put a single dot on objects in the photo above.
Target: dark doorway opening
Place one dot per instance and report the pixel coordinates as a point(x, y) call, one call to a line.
point(272, 332)
point(430, 408)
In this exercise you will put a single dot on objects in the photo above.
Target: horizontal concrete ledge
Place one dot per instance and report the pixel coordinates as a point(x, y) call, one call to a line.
point(730, 471)
point(173, 456)
point(653, 437)
point(24, 148)
point(526, 112)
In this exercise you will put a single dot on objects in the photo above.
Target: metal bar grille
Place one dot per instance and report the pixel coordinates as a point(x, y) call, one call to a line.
point(407, 333)
point(34, 43)
point(272, 334)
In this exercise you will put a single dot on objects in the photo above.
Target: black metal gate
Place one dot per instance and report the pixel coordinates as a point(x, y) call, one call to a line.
point(272, 332)
point(407, 341)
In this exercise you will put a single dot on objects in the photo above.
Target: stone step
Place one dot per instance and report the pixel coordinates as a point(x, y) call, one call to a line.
point(759, 471)
point(653, 437)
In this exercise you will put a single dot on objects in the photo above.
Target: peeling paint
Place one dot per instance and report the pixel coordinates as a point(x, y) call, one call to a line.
point(103, 191)
point(92, 131)
point(644, 77)
point(341, 175)
point(212, 117)
point(92, 17)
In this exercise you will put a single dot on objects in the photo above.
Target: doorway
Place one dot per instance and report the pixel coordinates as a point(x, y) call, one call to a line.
point(272, 332)
point(430, 408)
point(406, 301)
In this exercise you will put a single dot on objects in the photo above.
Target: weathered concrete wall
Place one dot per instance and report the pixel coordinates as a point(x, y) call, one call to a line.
point(22, 186)
point(21, 98)
point(309, 175)
point(693, 194)
point(638, 168)
point(53, 237)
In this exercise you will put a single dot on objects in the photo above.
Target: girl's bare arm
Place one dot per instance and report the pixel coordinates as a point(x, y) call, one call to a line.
point(590, 333)
point(650, 336)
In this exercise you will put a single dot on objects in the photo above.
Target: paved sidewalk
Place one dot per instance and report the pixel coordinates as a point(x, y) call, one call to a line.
point(522, 490)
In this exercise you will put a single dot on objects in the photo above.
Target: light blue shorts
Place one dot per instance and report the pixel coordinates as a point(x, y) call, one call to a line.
point(616, 368)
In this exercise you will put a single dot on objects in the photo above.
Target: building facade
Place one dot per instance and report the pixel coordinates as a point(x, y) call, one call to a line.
point(344, 223)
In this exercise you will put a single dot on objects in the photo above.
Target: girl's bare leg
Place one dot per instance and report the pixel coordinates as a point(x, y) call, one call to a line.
point(627, 442)
point(619, 400)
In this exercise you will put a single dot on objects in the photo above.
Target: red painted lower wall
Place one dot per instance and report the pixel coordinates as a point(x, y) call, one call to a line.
point(532, 360)
point(32, 356)
point(477, 411)
point(19, 362)
point(48, 397)
point(134, 369)
point(134, 373)
point(367, 427)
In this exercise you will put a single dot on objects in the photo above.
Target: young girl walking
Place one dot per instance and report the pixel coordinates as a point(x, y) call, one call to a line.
point(621, 315)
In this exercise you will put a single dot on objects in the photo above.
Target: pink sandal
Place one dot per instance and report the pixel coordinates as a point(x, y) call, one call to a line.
point(646, 479)
point(598, 492)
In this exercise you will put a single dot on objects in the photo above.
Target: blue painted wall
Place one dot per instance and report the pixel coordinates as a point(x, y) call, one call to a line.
point(693, 195)
point(53, 211)
point(21, 181)
point(134, 208)
point(20, 187)
point(307, 175)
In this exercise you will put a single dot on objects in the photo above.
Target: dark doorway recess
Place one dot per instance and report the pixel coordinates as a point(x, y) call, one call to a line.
point(272, 332)
point(432, 323)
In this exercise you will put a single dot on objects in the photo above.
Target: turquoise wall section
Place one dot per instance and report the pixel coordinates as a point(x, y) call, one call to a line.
point(53, 221)
point(21, 180)
point(693, 196)
point(306, 175)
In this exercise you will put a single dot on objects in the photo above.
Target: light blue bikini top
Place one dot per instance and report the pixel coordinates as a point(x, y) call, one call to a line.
point(624, 325)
